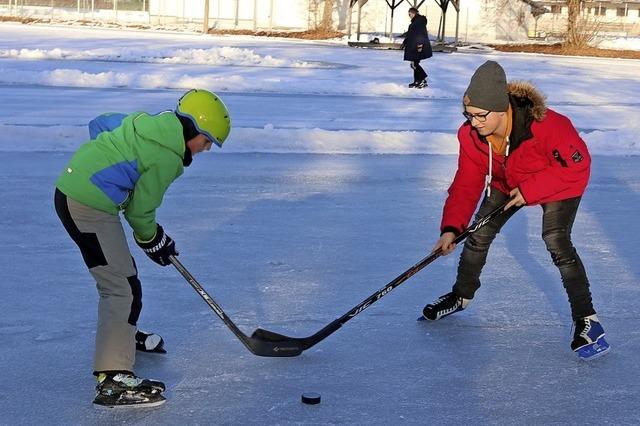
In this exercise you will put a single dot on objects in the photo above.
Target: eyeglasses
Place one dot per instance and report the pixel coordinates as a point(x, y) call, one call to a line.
point(481, 118)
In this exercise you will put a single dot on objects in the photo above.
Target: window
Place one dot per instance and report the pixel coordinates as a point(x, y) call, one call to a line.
point(621, 11)
point(556, 8)
point(601, 11)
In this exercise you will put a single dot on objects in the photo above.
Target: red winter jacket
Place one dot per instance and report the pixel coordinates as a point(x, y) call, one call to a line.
point(547, 160)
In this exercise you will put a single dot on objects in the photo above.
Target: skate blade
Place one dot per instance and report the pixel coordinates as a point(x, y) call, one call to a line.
point(594, 350)
point(129, 406)
point(160, 350)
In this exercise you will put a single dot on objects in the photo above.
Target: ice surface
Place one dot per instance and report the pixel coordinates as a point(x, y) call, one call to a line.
point(291, 241)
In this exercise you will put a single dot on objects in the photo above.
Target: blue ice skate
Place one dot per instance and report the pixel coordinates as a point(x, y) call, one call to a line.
point(588, 338)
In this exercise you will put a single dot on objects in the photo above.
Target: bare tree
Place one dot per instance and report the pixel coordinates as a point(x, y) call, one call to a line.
point(343, 12)
point(573, 33)
point(327, 15)
point(580, 31)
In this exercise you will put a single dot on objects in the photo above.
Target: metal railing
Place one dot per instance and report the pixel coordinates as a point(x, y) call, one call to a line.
point(183, 13)
point(124, 11)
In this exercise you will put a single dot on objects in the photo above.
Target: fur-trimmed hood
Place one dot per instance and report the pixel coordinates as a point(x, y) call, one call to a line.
point(546, 160)
point(525, 91)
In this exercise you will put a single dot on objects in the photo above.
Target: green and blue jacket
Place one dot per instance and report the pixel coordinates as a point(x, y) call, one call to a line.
point(127, 166)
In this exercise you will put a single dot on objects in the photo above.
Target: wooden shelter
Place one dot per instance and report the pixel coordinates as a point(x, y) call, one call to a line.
point(393, 4)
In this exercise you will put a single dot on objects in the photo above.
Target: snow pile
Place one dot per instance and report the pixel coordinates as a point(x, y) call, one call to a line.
point(270, 139)
point(244, 140)
point(622, 43)
point(214, 56)
point(219, 82)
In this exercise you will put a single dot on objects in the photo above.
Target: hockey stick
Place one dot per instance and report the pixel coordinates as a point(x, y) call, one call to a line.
point(306, 342)
point(275, 346)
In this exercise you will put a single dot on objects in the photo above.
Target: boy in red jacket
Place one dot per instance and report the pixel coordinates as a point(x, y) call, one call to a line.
point(515, 148)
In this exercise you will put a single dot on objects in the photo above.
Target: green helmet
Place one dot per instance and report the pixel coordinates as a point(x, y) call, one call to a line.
point(208, 114)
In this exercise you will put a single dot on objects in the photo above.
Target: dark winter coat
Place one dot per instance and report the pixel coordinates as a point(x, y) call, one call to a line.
point(416, 35)
point(547, 161)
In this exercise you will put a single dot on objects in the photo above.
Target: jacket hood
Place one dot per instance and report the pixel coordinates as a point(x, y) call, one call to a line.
point(527, 93)
point(164, 129)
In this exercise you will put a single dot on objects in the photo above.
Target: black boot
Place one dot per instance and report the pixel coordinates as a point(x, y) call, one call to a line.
point(421, 84)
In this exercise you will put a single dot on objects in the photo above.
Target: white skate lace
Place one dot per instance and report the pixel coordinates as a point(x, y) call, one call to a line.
point(127, 380)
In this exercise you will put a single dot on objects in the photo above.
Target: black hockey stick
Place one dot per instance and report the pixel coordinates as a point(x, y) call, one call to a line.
point(306, 342)
point(274, 346)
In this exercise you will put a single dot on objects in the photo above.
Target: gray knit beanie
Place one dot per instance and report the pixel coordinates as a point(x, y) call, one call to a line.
point(488, 88)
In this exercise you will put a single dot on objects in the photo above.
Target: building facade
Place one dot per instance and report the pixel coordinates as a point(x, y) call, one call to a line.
point(476, 20)
point(615, 17)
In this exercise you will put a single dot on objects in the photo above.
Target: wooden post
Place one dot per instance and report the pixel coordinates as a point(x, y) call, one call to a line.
point(359, 15)
point(237, 13)
point(271, 15)
point(444, 19)
point(393, 9)
point(205, 20)
point(456, 5)
point(255, 16)
point(349, 20)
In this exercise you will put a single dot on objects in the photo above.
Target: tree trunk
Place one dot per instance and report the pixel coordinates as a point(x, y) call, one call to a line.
point(573, 29)
point(327, 15)
point(343, 12)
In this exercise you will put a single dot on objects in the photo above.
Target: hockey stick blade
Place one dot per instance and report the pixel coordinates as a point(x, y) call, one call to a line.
point(270, 344)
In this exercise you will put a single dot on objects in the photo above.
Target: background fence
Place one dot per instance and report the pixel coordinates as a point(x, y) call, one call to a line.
point(223, 14)
point(479, 20)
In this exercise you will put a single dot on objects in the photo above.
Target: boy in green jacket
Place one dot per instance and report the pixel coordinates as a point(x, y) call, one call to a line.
point(127, 166)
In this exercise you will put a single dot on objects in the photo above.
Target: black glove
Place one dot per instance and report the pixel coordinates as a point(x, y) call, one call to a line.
point(159, 248)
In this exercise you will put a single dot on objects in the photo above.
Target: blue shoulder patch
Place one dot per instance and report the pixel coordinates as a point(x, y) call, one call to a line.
point(105, 123)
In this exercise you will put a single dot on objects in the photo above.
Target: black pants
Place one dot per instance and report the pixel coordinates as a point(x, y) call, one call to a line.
point(419, 74)
point(557, 221)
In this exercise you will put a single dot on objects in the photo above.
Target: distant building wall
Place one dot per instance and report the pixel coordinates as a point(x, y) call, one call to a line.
point(235, 14)
point(616, 17)
point(478, 20)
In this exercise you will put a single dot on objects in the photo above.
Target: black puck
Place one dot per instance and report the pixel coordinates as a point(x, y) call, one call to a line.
point(311, 398)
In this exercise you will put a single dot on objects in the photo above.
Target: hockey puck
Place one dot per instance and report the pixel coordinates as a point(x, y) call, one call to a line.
point(311, 398)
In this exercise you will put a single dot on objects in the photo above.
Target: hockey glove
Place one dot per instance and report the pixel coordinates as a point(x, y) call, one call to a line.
point(159, 248)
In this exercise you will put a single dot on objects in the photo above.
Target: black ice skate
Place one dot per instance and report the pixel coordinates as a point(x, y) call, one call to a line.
point(446, 305)
point(125, 390)
point(149, 342)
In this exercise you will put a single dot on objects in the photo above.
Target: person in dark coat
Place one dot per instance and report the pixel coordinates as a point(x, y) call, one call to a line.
point(417, 47)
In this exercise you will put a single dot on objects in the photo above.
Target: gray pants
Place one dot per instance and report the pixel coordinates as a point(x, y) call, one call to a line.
point(102, 242)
